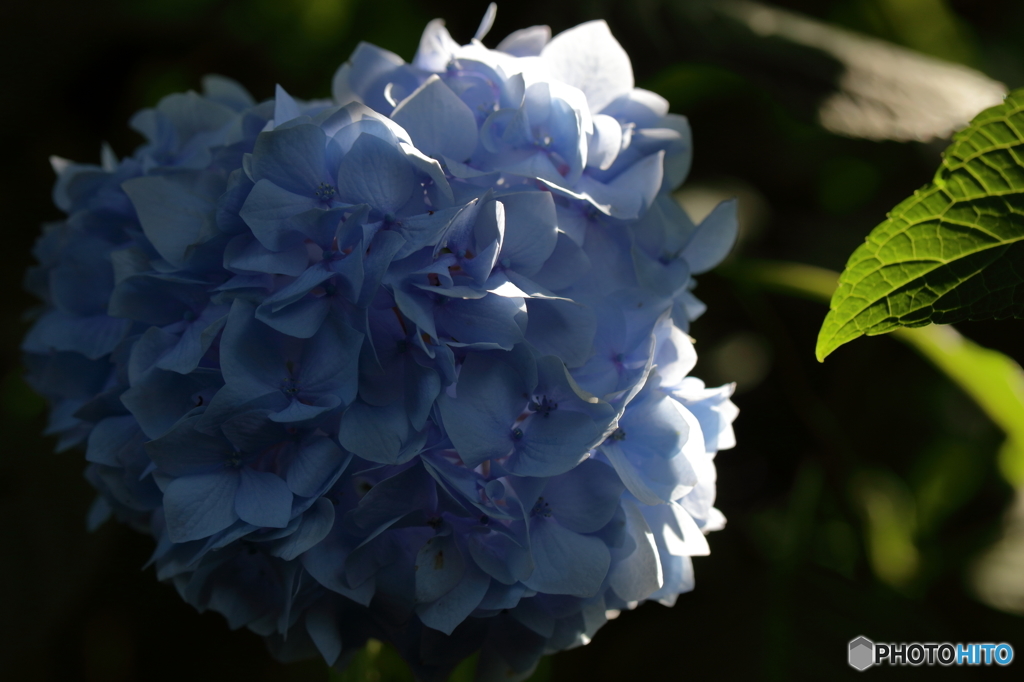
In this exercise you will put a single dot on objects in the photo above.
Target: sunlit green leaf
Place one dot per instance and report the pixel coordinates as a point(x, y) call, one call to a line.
point(993, 380)
point(953, 251)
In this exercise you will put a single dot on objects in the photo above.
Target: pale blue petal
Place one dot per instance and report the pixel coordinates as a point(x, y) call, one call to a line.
point(629, 193)
point(490, 319)
point(714, 238)
point(553, 444)
point(562, 328)
point(638, 575)
point(267, 211)
point(375, 173)
point(500, 556)
point(293, 158)
point(285, 108)
point(566, 562)
point(526, 42)
point(584, 499)
point(480, 420)
point(630, 475)
point(530, 231)
point(588, 57)
point(438, 122)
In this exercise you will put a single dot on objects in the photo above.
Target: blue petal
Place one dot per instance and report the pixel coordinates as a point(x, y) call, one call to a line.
point(392, 498)
point(293, 158)
point(500, 556)
point(195, 340)
point(301, 319)
point(308, 279)
point(251, 356)
point(113, 440)
point(263, 499)
point(448, 612)
point(501, 596)
point(317, 463)
point(480, 420)
point(530, 230)
point(657, 275)
point(526, 42)
point(268, 210)
point(355, 79)
point(562, 328)
point(375, 173)
point(314, 525)
point(553, 443)
point(439, 568)
point(638, 575)
point(629, 193)
point(245, 254)
point(178, 212)
point(330, 360)
point(438, 122)
point(154, 299)
point(604, 144)
point(325, 561)
point(566, 264)
point(377, 434)
point(226, 91)
point(198, 506)
point(714, 238)
point(298, 411)
point(490, 320)
point(252, 431)
point(588, 57)
point(323, 629)
point(565, 562)
point(585, 498)
point(630, 475)
point(285, 108)
point(424, 230)
point(93, 336)
point(184, 451)
point(161, 398)
point(382, 250)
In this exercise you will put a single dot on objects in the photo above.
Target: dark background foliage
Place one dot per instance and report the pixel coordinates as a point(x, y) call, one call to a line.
point(861, 490)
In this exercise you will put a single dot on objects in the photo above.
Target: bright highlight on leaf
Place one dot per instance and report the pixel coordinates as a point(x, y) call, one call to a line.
point(951, 252)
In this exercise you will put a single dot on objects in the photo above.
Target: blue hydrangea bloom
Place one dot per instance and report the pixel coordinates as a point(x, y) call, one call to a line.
point(409, 363)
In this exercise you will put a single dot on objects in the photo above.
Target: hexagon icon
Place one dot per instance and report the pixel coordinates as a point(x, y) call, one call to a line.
point(862, 653)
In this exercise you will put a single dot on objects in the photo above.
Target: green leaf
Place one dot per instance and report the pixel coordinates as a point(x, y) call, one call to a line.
point(953, 251)
point(993, 380)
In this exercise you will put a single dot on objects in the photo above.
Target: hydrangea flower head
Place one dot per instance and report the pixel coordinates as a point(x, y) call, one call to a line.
point(409, 363)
